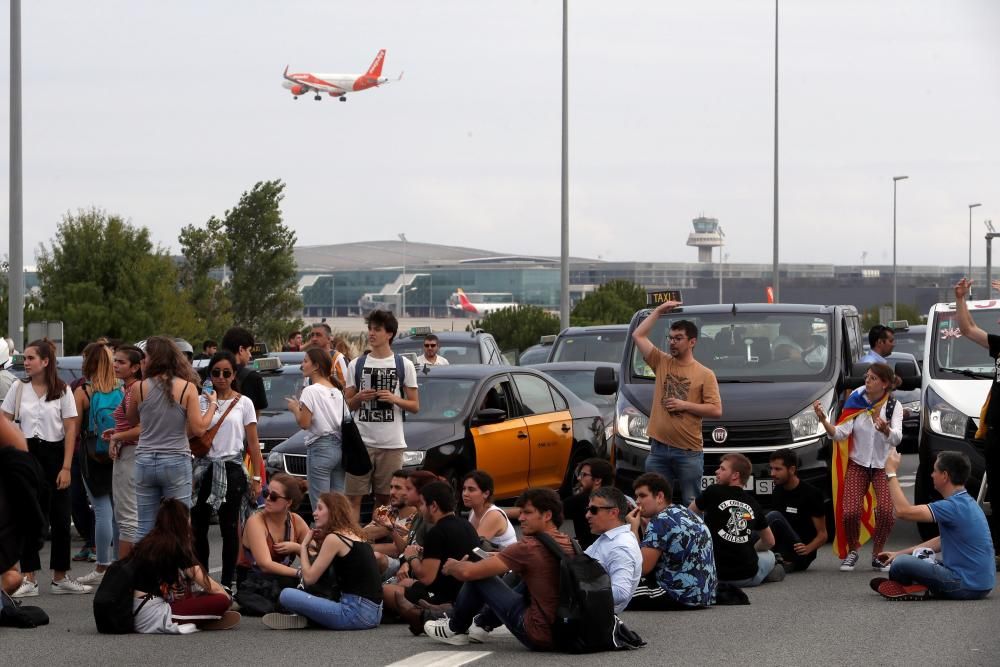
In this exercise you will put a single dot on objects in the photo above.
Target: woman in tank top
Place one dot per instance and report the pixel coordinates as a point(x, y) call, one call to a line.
point(165, 406)
point(335, 559)
point(490, 521)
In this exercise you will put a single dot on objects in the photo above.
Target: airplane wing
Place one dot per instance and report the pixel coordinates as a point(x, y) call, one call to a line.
point(310, 82)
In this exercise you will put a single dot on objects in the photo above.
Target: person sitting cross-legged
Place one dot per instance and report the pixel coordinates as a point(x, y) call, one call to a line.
point(616, 548)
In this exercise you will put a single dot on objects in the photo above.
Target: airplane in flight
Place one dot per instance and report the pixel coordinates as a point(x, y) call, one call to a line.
point(471, 304)
point(337, 85)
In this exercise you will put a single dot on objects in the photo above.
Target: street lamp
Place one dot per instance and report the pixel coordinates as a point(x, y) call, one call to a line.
point(402, 313)
point(971, 206)
point(564, 199)
point(895, 179)
point(722, 236)
point(774, 279)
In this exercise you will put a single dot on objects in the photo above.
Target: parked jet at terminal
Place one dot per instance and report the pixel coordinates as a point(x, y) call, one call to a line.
point(337, 85)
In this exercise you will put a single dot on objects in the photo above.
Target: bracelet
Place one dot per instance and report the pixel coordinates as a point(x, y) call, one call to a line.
point(890, 475)
point(255, 478)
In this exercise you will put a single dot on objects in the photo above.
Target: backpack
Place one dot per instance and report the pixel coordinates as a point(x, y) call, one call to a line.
point(114, 598)
point(100, 417)
point(400, 375)
point(15, 615)
point(585, 617)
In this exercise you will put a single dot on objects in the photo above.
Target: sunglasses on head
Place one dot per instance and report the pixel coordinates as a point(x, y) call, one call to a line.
point(222, 373)
point(274, 496)
point(594, 509)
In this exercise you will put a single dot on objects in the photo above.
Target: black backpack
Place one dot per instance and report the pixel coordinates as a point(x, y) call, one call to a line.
point(585, 618)
point(15, 615)
point(113, 599)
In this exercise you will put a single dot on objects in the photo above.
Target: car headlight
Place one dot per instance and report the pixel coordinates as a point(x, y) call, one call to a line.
point(274, 460)
point(942, 417)
point(805, 424)
point(632, 423)
point(413, 458)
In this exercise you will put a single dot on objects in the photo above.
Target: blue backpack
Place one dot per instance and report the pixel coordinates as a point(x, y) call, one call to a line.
point(100, 418)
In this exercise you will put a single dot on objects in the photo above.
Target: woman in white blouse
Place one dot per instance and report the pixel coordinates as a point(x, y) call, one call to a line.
point(875, 434)
point(43, 406)
point(320, 410)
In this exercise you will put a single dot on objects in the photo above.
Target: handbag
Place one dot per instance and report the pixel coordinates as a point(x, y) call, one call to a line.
point(202, 444)
point(354, 453)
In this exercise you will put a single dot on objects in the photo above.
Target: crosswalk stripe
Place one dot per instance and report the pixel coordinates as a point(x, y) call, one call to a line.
point(440, 659)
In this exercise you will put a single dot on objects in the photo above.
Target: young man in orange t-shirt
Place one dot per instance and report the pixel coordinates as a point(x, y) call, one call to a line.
point(685, 393)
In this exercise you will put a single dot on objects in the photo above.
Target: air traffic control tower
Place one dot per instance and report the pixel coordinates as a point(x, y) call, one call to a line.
point(707, 234)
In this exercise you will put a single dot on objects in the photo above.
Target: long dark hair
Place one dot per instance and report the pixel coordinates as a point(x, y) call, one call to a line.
point(322, 359)
point(53, 383)
point(169, 546)
point(225, 355)
point(165, 361)
point(135, 357)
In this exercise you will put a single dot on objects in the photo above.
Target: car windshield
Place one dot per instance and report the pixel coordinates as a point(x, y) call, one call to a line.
point(581, 383)
point(534, 355)
point(745, 346)
point(454, 352)
point(950, 349)
point(591, 346)
point(912, 342)
point(279, 386)
point(441, 399)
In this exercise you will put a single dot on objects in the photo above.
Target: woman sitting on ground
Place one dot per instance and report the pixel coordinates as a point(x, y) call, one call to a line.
point(336, 562)
point(173, 593)
point(490, 521)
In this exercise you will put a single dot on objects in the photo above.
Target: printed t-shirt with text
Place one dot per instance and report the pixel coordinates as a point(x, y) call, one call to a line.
point(731, 514)
point(381, 422)
point(687, 382)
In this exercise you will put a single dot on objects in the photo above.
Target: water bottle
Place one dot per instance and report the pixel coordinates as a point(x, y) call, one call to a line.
point(206, 386)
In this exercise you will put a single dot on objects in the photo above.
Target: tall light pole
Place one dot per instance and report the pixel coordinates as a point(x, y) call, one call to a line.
point(722, 236)
point(402, 308)
point(971, 206)
point(564, 251)
point(15, 269)
point(895, 179)
point(774, 269)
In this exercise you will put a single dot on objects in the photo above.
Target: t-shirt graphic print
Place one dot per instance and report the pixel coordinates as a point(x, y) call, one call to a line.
point(675, 386)
point(378, 379)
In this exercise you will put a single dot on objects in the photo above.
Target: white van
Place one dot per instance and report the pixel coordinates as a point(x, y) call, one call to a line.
point(957, 377)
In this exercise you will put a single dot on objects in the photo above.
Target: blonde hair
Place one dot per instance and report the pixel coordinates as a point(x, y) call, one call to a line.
point(99, 368)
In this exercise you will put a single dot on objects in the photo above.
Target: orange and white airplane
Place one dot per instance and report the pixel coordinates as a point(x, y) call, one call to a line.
point(471, 304)
point(337, 85)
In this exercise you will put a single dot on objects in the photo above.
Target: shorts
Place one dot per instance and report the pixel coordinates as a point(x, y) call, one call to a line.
point(384, 463)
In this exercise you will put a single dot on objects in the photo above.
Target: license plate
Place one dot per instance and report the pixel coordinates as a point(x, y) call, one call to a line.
point(760, 487)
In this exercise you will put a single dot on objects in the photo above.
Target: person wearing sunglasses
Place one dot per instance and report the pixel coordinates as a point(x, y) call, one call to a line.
point(220, 479)
point(430, 357)
point(615, 548)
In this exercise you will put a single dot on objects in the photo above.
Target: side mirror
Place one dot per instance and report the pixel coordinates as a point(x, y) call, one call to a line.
point(489, 416)
point(605, 381)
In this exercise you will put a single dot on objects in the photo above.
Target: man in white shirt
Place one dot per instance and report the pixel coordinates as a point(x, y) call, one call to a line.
point(616, 547)
point(377, 396)
point(881, 341)
point(430, 357)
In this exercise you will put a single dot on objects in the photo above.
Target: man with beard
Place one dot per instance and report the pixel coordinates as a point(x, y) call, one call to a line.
point(799, 520)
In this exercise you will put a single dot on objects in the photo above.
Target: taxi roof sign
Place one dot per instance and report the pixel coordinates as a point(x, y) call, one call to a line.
point(899, 324)
point(547, 340)
point(259, 350)
point(267, 363)
point(419, 331)
point(655, 297)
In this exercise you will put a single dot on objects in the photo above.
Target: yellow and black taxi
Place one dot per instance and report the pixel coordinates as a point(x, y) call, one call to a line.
point(521, 426)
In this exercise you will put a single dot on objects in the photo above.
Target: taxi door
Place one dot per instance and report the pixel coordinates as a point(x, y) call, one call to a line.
point(550, 428)
point(502, 449)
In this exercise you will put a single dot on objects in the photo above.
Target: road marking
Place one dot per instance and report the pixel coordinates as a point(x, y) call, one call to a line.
point(906, 481)
point(440, 659)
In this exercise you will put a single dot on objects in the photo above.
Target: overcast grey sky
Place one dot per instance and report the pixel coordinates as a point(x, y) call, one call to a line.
point(166, 112)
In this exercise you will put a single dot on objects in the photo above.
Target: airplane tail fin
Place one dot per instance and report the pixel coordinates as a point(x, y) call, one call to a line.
point(464, 300)
point(376, 67)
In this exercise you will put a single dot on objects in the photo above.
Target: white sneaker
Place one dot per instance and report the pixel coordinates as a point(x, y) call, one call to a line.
point(849, 562)
point(27, 589)
point(67, 586)
point(93, 579)
point(478, 634)
point(440, 631)
point(277, 621)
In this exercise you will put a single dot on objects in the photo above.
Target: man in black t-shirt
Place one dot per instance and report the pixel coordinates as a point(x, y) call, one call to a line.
point(592, 475)
point(239, 341)
point(732, 515)
point(799, 520)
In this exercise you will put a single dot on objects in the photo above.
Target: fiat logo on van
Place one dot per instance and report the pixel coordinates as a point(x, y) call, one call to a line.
point(719, 435)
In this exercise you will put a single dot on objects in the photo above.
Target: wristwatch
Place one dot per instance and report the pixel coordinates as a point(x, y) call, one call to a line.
point(890, 475)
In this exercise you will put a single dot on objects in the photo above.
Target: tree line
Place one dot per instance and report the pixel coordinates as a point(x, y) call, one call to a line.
point(103, 276)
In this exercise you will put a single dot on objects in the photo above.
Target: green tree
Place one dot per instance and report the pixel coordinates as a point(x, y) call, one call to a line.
point(102, 276)
point(519, 327)
point(204, 249)
point(614, 302)
point(30, 301)
point(904, 311)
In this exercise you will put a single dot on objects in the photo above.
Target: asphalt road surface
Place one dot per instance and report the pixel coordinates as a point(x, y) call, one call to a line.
point(819, 617)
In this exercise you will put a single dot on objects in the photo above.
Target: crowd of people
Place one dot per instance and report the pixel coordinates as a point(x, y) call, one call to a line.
point(162, 450)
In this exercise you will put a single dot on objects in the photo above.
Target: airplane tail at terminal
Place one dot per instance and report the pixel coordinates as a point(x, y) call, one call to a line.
point(376, 67)
point(464, 300)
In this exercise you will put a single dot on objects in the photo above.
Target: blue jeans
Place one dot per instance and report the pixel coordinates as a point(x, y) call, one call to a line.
point(324, 469)
point(159, 476)
point(941, 581)
point(351, 613)
point(495, 603)
point(765, 563)
point(105, 528)
point(682, 465)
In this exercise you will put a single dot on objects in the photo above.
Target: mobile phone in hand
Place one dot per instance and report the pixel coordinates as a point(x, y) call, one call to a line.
point(481, 554)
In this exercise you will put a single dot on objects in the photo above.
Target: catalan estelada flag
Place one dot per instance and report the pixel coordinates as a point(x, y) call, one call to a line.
point(856, 405)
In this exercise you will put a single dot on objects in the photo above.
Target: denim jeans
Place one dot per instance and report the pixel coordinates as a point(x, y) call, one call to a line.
point(674, 463)
point(495, 603)
point(105, 528)
point(159, 476)
point(941, 581)
point(785, 539)
point(765, 563)
point(351, 613)
point(324, 469)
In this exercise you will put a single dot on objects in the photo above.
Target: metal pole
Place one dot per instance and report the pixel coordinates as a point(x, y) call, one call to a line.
point(333, 295)
point(989, 262)
point(15, 272)
point(721, 246)
point(895, 179)
point(775, 279)
point(564, 251)
point(971, 206)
